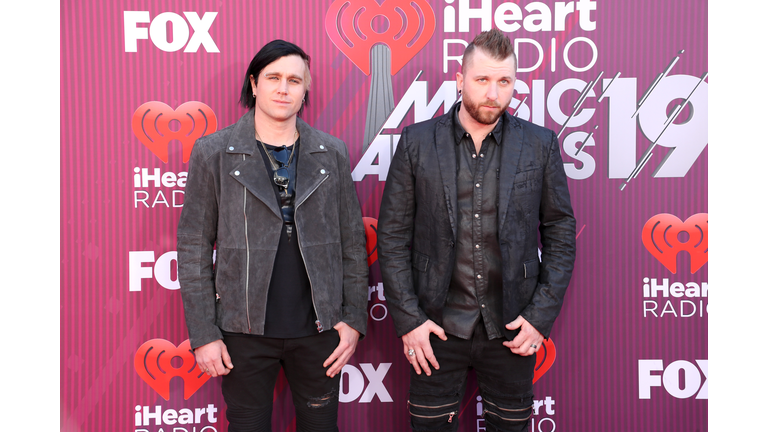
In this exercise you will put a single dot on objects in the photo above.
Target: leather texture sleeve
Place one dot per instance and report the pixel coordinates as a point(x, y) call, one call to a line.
point(395, 234)
point(354, 254)
point(196, 236)
point(557, 228)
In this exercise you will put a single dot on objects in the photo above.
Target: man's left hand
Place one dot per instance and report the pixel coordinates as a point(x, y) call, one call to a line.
point(348, 338)
point(528, 341)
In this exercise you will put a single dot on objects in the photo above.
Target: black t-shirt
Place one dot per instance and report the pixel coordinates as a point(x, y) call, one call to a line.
point(290, 311)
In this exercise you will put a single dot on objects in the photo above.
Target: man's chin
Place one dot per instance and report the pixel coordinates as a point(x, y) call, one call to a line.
point(488, 118)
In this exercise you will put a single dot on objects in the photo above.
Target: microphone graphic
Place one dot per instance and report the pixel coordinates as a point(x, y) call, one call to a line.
point(380, 52)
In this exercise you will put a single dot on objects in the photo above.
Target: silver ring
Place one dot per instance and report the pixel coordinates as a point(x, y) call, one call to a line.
point(411, 352)
point(533, 346)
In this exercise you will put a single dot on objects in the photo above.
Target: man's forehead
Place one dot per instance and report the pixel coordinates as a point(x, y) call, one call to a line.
point(287, 65)
point(481, 63)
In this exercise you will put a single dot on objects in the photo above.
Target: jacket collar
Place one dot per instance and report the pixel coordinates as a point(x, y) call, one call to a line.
point(251, 172)
point(510, 157)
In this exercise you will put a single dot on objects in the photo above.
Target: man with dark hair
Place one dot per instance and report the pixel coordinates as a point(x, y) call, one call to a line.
point(289, 285)
point(468, 197)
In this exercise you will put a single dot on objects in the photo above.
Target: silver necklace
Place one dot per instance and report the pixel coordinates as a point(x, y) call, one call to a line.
point(280, 178)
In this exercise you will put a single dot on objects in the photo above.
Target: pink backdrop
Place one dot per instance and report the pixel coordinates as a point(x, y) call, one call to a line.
point(623, 83)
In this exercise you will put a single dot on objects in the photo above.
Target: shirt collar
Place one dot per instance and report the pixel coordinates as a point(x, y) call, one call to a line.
point(459, 131)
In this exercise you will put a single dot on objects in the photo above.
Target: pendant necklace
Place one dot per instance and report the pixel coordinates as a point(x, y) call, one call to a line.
point(280, 170)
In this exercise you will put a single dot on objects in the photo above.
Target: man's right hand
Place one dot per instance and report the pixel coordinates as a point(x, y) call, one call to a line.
point(418, 341)
point(213, 358)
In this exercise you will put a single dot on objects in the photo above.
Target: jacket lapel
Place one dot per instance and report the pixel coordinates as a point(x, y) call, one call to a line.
point(249, 170)
point(310, 171)
point(446, 156)
point(511, 149)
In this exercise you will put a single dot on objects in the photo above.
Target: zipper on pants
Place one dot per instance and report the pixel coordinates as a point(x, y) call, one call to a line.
point(449, 414)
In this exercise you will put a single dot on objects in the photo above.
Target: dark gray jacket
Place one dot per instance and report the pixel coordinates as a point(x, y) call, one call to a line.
point(417, 224)
point(230, 203)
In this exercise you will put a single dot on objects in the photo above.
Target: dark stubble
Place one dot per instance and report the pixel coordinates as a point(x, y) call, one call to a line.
point(483, 117)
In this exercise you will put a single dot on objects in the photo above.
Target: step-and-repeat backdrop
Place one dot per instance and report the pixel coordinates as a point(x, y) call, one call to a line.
point(623, 83)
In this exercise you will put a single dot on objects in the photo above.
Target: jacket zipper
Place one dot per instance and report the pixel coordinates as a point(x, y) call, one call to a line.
point(301, 251)
point(247, 256)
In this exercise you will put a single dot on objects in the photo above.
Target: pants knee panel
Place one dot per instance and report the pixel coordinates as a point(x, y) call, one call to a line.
point(507, 414)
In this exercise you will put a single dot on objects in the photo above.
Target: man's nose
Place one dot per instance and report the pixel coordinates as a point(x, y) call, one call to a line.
point(493, 92)
point(283, 87)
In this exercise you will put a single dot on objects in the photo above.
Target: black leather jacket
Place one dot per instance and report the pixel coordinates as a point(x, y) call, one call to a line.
point(417, 224)
point(230, 202)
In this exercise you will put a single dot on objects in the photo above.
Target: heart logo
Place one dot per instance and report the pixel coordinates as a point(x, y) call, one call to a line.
point(409, 25)
point(371, 226)
point(151, 124)
point(154, 362)
point(664, 235)
point(545, 357)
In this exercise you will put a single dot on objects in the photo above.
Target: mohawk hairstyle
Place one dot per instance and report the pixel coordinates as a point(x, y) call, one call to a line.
point(494, 43)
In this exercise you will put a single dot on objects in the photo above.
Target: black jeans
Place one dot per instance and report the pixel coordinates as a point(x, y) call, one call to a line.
point(505, 381)
point(249, 386)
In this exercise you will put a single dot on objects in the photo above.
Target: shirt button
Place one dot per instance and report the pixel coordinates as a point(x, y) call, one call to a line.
point(474, 156)
point(477, 246)
point(477, 215)
point(482, 306)
point(322, 171)
point(237, 173)
point(479, 276)
point(231, 148)
point(482, 154)
point(322, 147)
point(477, 185)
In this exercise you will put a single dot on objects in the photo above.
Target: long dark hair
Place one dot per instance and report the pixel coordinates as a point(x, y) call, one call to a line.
point(269, 53)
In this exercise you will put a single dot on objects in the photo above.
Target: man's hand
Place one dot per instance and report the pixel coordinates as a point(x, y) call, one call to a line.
point(528, 341)
point(348, 338)
point(213, 358)
point(418, 341)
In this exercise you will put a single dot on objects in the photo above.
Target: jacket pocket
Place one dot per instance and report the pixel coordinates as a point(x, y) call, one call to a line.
point(527, 181)
point(530, 269)
point(419, 261)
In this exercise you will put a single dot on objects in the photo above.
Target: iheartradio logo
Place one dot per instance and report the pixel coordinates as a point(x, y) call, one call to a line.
point(545, 358)
point(405, 26)
point(379, 39)
point(153, 124)
point(371, 228)
point(665, 236)
point(157, 361)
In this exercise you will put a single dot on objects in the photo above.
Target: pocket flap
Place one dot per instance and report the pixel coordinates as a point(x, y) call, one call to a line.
point(531, 269)
point(419, 261)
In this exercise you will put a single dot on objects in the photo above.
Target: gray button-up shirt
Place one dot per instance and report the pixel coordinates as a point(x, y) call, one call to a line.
point(476, 282)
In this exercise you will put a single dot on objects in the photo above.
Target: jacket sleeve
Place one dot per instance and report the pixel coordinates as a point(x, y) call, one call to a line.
point(354, 254)
point(557, 227)
point(195, 238)
point(395, 236)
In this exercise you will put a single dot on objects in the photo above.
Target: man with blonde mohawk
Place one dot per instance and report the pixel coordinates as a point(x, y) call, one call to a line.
point(468, 198)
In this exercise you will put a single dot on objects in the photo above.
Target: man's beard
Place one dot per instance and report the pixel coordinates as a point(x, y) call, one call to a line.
point(482, 116)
